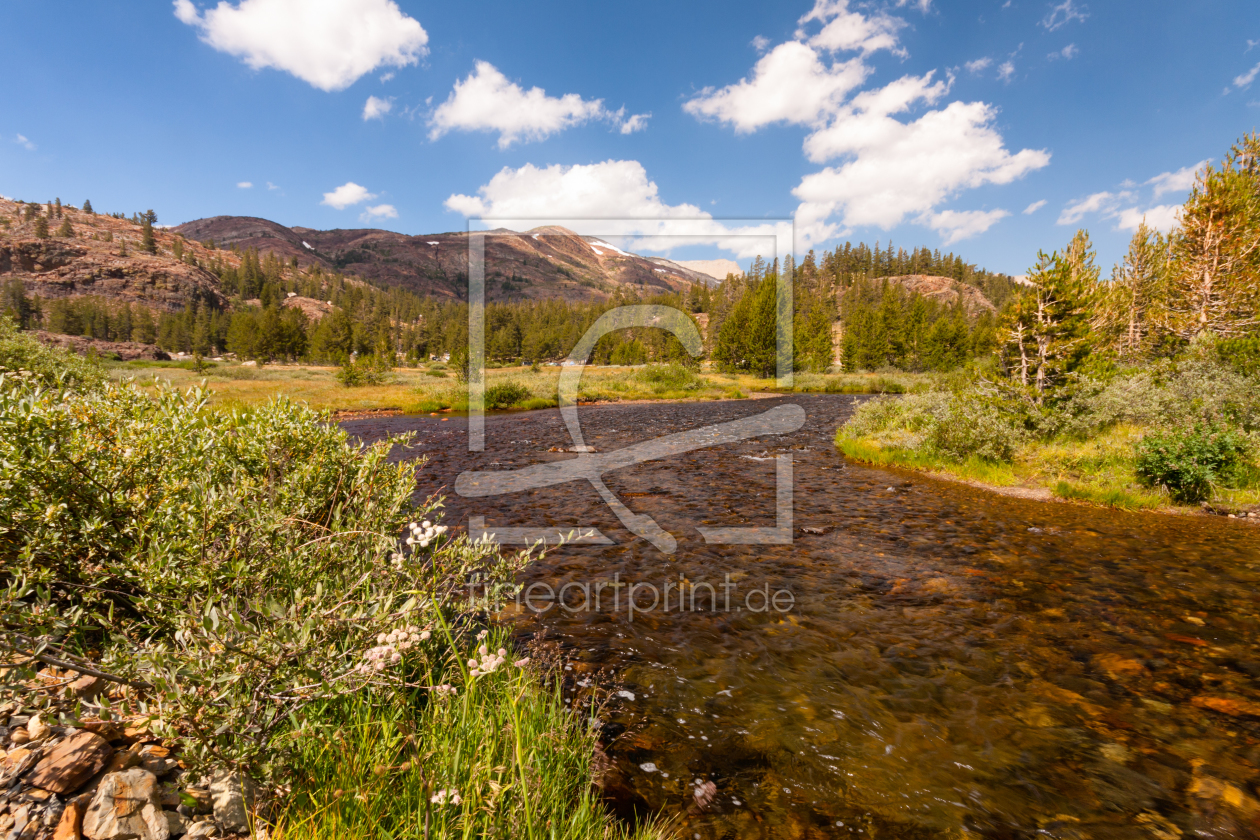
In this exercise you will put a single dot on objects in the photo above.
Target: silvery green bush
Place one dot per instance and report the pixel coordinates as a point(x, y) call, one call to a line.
point(955, 425)
point(231, 569)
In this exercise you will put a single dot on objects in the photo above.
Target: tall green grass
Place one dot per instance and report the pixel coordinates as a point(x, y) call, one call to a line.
point(520, 764)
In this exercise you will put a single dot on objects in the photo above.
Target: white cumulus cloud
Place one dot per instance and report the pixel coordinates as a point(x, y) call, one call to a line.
point(1006, 71)
point(1069, 52)
point(327, 43)
point(1034, 207)
point(611, 198)
point(885, 167)
point(955, 225)
point(244, 185)
point(346, 195)
point(380, 211)
point(376, 108)
point(488, 101)
point(1162, 217)
point(1180, 181)
point(851, 31)
point(979, 65)
point(789, 84)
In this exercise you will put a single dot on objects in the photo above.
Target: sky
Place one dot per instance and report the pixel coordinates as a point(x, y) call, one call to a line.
point(691, 129)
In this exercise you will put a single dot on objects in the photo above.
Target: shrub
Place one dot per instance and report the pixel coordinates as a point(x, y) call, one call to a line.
point(670, 377)
point(23, 359)
point(958, 426)
point(505, 395)
point(1191, 463)
point(231, 569)
point(367, 370)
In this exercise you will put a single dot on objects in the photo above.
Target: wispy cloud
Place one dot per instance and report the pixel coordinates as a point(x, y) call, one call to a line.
point(1006, 71)
point(1179, 181)
point(1034, 207)
point(1063, 14)
point(1069, 52)
point(21, 140)
point(979, 65)
point(1243, 80)
point(244, 185)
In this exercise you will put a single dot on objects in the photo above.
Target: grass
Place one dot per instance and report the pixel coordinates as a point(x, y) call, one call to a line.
point(434, 387)
point(522, 764)
point(1098, 471)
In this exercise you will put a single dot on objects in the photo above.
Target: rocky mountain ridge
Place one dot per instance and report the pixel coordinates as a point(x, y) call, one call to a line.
point(545, 262)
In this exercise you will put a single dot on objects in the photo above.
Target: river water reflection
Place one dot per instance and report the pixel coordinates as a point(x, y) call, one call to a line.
point(955, 664)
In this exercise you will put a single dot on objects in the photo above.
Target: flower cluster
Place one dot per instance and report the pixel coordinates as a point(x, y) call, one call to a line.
point(424, 533)
point(489, 663)
point(444, 796)
point(390, 647)
point(445, 690)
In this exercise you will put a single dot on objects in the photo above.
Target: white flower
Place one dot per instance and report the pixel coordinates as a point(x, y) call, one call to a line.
point(441, 797)
point(521, 663)
point(424, 635)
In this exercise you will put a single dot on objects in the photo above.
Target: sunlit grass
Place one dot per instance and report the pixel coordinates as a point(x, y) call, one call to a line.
point(434, 387)
point(502, 758)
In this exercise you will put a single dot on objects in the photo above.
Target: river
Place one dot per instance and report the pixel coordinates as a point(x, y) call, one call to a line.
point(953, 663)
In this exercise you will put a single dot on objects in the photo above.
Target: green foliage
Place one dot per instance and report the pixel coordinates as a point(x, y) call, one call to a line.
point(1241, 354)
point(64, 230)
point(957, 426)
point(41, 227)
point(366, 370)
point(1191, 462)
point(234, 568)
point(671, 377)
point(505, 395)
point(512, 760)
point(25, 360)
point(87, 207)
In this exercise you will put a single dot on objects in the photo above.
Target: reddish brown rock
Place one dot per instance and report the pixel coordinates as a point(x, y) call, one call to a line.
point(126, 807)
point(71, 763)
point(70, 827)
point(110, 730)
point(1228, 706)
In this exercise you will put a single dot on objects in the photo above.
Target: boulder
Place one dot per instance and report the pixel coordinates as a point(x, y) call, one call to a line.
point(232, 795)
point(201, 830)
point(175, 824)
point(71, 763)
point(70, 827)
point(126, 807)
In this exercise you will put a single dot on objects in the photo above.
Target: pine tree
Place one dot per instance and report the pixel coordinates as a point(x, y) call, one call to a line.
point(1044, 333)
point(57, 204)
point(41, 227)
point(87, 208)
point(147, 242)
point(64, 230)
point(1215, 268)
point(1132, 307)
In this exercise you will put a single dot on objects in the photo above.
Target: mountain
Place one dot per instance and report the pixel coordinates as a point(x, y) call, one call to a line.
point(92, 262)
point(545, 262)
point(716, 269)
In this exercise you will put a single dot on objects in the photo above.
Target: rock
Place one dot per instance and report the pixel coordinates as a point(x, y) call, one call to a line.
point(110, 730)
point(71, 763)
point(1228, 706)
point(232, 794)
point(157, 760)
point(175, 824)
point(38, 729)
point(6, 823)
point(19, 736)
point(126, 807)
point(17, 763)
point(202, 829)
point(70, 827)
point(87, 688)
point(205, 802)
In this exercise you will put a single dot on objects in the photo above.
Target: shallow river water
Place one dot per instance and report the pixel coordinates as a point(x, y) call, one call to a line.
point(952, 663)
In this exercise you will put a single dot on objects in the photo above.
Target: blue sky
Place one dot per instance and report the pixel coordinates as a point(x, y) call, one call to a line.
point(920, 121)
